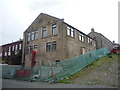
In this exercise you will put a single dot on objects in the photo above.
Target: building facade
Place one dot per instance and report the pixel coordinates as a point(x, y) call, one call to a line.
point(53, 40)
point(102, 41)
point(0, 54)
point(12, 53)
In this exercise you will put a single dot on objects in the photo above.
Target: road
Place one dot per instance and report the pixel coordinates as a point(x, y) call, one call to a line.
point(6, 83)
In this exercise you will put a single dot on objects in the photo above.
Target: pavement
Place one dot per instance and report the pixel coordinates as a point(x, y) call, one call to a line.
point(7, 83)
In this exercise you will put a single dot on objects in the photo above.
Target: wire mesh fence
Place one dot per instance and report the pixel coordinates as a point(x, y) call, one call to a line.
point(56, 71)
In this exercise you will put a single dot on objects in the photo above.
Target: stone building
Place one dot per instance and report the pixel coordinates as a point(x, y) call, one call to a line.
point(0, 54)
point(102, 41)
point(54, 40)
point(12, 53)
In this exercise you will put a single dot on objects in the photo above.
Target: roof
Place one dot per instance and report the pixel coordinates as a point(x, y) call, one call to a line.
point(79, 31)
point(63, 22)
point(101, 35)
point(13, 42)
point(41, 15)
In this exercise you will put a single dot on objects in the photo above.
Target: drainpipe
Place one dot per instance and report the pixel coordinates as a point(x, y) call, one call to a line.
point(23, 49)
point(33, 58)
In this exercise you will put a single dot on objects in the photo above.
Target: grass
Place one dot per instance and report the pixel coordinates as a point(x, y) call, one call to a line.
point(96, 64)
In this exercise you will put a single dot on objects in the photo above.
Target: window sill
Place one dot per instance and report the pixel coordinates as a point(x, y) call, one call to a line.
point(50, 36)
point(70, 36)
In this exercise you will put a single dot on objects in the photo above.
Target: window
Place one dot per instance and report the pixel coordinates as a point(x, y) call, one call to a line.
point(54, 46)
point(20, 46)
point(28, 50)
point(44, 33)
point(0, 54)
point(9, 52)
point(89, 40)
point(32, 35)
point(48, 46)
point(31, 49)
point(9, 48)
point(36, 34)
point(28, 37)
point(35, 46)
point(16, 52)
point(13, 48)
point(5, 53)
point(54, 29)
point(16, 47)
point(81, 37)
point(70, 31)
point(94, 44)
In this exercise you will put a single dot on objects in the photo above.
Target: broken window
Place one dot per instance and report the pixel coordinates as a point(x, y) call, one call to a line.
point(70, 31)
point(81, 37)
point(90, 41)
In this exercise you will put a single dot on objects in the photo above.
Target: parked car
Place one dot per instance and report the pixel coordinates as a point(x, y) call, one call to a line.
point(116, 49)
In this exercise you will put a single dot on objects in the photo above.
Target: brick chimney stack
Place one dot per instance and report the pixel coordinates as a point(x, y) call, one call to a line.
point(92, 29)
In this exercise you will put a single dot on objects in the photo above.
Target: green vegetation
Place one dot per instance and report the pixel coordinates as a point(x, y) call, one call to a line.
point(96, 64)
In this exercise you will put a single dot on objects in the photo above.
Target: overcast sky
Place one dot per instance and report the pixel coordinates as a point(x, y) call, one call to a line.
point(17, 15)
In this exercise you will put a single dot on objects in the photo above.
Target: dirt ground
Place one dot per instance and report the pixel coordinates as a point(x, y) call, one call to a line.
point(106, 74)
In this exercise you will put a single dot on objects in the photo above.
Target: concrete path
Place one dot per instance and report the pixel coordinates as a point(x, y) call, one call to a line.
point(6, 83)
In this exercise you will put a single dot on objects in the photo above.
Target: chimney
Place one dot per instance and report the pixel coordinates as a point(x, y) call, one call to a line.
point(62, 19)
point(113, 42)
point(92, 29)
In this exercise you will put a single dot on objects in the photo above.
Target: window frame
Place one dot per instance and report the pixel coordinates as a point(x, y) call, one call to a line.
point(81, 37)
point(16, 47)
point(28, 50)
point(5, 53)
point(48, 46)
point(28, 36)
point(36, 34)
point(9, 51)
point(70, 31)
point(32, 35)
point(35, 46)
point(20, 46)
point(44, 32)
point(54, 46)
point(54, 29)
point(13, 48)
point(31, 49)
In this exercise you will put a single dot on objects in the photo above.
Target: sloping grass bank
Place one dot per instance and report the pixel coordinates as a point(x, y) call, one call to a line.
point(100, 65)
